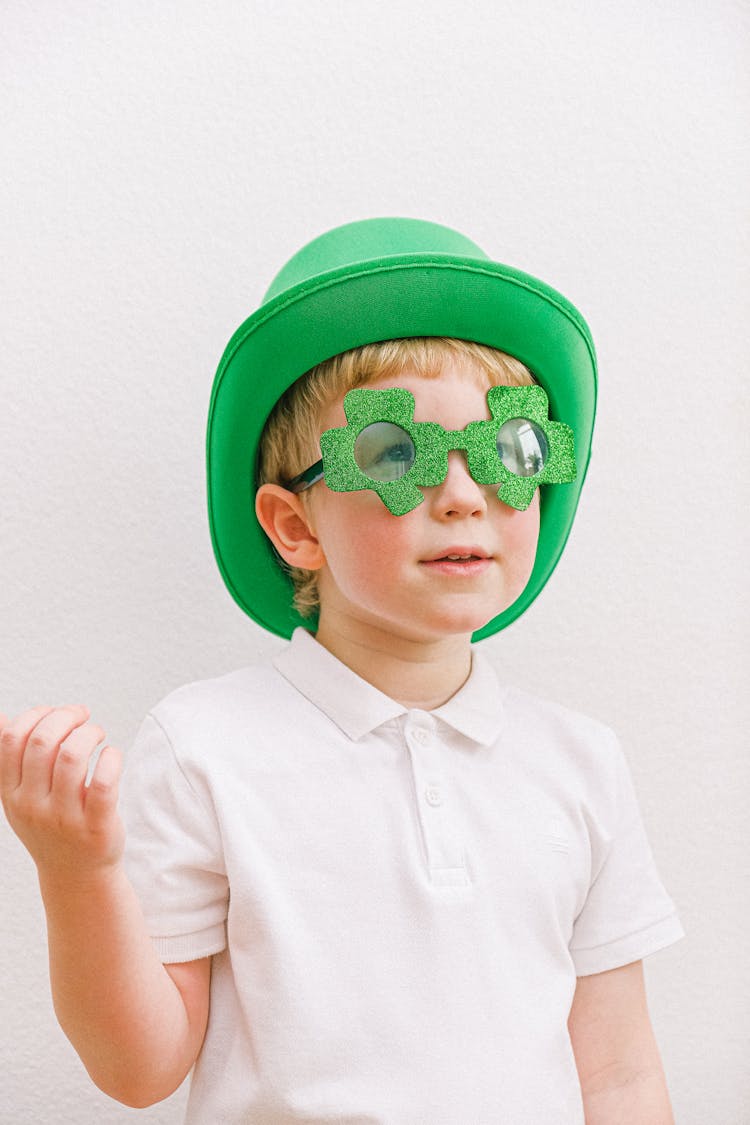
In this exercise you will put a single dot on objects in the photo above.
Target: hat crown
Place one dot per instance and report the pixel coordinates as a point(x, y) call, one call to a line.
point(366, 241)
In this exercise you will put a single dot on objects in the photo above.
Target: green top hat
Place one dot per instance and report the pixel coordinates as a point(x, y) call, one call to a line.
point(383, 279)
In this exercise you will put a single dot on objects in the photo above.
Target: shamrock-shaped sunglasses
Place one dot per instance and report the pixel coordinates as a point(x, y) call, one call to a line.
point(382, 448)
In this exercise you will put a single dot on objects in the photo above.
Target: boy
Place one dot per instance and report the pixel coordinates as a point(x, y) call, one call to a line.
point(374, 884)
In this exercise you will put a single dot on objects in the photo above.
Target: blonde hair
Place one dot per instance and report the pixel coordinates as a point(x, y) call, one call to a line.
point(289, 443)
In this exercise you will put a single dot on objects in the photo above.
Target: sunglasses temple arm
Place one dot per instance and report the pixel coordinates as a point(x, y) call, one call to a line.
point(307, 479)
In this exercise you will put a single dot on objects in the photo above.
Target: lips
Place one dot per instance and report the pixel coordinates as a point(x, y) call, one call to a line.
point(459, 554)
point(461, 562)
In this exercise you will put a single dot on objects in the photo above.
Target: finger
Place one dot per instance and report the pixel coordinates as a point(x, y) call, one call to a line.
point(71, 765)
point(101, 792)
point(42, 747)
point(12, 745)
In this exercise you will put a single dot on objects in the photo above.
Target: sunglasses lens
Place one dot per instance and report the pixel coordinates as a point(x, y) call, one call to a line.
point(522, 447)
point(383, 451)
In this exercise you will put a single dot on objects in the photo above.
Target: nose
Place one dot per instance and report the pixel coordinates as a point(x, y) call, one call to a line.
point(459, 495)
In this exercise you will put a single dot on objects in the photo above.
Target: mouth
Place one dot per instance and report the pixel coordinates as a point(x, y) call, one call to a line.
point(459, 560)
point(460, 554)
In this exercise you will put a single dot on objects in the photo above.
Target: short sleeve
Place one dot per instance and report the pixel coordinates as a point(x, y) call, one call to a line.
point(173, 853)
point(627, 913)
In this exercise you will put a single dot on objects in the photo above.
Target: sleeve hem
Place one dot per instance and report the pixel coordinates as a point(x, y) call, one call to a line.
point(191, 947)
point(630, 948)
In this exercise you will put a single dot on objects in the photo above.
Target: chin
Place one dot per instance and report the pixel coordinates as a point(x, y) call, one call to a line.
point(465, 623)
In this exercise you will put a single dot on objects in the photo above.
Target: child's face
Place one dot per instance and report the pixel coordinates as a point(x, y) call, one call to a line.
point(392, 572)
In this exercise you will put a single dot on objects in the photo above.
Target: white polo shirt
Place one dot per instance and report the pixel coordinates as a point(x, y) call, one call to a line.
point(397, 901)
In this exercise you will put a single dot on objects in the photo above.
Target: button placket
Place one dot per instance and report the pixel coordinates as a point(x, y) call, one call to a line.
point(445, 855)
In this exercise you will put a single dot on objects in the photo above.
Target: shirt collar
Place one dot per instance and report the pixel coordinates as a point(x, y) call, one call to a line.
point(476, 710)
point(357, 708)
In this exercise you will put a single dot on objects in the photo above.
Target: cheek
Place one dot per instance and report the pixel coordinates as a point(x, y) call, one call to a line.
point(361, 540)
point(520, 538)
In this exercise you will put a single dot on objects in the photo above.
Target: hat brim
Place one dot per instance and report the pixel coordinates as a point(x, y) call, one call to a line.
point(391, 298)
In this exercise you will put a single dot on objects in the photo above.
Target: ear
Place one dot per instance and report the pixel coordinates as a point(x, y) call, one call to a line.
point(285, 520)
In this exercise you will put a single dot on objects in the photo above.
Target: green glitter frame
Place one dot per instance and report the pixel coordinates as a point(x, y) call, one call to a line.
point(363, 406)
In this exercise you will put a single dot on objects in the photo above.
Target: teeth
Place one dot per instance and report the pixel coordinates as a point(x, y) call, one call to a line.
point(457, 558)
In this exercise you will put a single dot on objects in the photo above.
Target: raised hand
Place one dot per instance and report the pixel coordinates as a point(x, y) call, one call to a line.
point(137, 1024)
point(69, 828)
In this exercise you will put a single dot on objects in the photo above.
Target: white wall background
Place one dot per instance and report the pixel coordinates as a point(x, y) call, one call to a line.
point(159, 163)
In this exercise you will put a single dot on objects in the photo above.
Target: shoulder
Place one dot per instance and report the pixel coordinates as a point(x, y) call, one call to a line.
point(215, 719)
point(233, 693)
point(560, 721)
point(570, 753)
point(557, 737)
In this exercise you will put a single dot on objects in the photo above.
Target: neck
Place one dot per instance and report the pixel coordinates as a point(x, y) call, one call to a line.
point(417, 674)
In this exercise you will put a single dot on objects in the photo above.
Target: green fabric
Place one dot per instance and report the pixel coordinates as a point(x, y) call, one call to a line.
point(376, 280)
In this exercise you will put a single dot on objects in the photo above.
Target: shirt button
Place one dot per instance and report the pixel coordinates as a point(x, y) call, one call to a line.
point(434, 795)
point(421, 736)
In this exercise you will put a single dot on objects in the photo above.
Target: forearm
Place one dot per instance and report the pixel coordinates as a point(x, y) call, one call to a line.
point(640, 1096)
point(113, 998)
